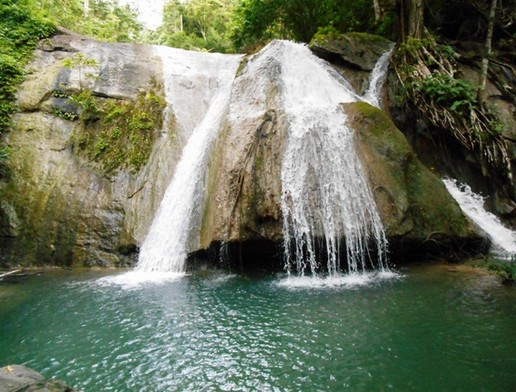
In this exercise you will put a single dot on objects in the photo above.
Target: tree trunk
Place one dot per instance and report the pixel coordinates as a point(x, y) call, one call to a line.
point(377, 11)
point(86, 7)
point(482, 96)
point(415, 18)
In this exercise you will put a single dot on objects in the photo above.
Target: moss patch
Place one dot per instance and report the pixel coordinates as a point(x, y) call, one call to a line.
point(124, 132)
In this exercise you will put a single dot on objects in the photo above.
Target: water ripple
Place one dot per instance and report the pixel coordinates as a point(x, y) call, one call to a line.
point(223, 332)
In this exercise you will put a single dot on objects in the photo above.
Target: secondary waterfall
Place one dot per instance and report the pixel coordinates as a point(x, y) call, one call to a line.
point(373, 93)
point(503, 239)
point(325, 195)
point(198, 87)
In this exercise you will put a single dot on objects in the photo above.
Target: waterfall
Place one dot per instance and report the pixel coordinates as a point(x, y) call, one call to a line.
point(377, 79)
point(325, 193)
point(327, 205)
point(503, 239)
point(198, 88)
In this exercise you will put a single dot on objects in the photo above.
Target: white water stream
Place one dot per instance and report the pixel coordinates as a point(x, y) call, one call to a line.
point(325, 194)
point(325, 197)
point(198, 88)
point(376, 80)
point(502, 238)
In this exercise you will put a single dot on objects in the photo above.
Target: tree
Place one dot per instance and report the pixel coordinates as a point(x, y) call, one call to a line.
point(487, 54)
point(195, 25)
point(101, 19)
point(262, 20)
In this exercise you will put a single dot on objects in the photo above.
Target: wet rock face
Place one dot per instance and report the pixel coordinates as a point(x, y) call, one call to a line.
point(420, 217)
point(59, 205)
point(242, 218)
point(353, 55)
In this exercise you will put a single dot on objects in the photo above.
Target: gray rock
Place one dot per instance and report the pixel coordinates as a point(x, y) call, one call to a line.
point(59, 206)
point(359, 50)
point(244, 189)
point(19, 378)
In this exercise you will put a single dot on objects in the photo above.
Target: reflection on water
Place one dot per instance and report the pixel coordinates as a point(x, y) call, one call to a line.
point(428, 328)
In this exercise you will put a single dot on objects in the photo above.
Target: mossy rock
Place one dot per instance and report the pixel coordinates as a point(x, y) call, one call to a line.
point(358, 50)
point(122, 132)
point(413, 202)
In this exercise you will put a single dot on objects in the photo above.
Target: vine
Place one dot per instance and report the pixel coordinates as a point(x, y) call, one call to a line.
point(428, 73)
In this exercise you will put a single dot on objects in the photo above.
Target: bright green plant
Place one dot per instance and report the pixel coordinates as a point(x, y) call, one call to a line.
point(261, 20)
point(20, 28)
point(123, 133)
point(87, 104)
point(65, 115)
point(105, 20)
point(195, 25)
point(505, 269)
point(455, 94)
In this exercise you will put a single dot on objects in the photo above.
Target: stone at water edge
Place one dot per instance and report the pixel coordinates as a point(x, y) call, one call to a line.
point(18, 378)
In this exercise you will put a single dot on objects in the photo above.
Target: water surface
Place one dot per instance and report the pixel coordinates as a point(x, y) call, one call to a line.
point(436, 328)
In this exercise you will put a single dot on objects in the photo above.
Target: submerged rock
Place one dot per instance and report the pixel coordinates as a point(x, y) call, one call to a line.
point(19, 378)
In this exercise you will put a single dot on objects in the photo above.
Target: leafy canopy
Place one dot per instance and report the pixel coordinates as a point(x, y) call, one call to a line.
point(104, 19)
point(196, 25)
point(262, 20)
point(21, 26)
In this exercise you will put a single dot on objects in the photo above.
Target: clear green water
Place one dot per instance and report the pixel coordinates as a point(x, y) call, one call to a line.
point(430, 330)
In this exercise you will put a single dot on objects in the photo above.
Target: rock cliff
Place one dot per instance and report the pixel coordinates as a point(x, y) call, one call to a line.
point(87, 171)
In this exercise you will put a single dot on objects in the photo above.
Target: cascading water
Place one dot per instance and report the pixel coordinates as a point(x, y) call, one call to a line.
point(198, 87)
point(377, 79)
point(325, 195)
point(503, 239)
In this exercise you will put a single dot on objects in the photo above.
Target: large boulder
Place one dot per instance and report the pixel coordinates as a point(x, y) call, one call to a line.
point(358, 50)
point(419, 215)
point(242, 220)
point(354, 55)
point(76, 195)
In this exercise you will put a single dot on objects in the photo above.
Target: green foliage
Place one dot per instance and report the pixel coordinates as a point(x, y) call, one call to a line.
point(387, 27)
point(195, 25)
point(123, 133)
point(427, 73)
point(20, 28)
point(60, 94)
point(262, 20)
point(87, 104)
point(455, 94)
point(5, 153)
point(505, 269)
point(105, 20)
point(65, 115)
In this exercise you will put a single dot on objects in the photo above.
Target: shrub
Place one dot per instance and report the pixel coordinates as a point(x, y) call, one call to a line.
point(505, 269)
